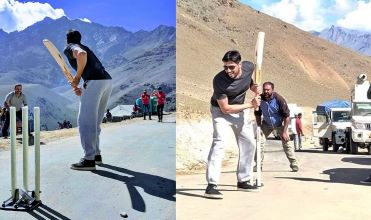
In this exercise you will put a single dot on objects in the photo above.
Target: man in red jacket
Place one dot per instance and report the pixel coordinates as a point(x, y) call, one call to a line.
point(299, 130)
point(145, 101)
point(160, 102)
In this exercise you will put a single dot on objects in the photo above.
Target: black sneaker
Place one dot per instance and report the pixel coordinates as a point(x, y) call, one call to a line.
point(98, 160)
point(212, 192)
point(366, 181)
point(84, 165)
point(245, 186)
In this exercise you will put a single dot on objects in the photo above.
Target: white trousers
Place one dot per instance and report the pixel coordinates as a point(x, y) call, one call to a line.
point(243, 130)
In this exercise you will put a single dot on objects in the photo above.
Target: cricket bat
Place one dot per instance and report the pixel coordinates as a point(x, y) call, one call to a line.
point(58, 58)
point(258, 65)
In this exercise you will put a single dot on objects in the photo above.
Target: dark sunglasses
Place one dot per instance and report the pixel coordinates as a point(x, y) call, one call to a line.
point(231, 67)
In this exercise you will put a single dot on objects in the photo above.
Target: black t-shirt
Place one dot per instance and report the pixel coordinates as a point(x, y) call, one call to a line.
point(233, 89)
point(93, 70)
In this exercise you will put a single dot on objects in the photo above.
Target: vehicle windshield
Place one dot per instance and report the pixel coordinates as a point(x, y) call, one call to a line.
point(318, 117)
point(361, 109)
point(341, 116)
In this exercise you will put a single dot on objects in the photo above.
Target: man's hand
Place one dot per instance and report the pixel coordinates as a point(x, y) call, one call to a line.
point(256, 89)
point(255, 102)
point(77, 91)
point(75, 82)
point(285, 136)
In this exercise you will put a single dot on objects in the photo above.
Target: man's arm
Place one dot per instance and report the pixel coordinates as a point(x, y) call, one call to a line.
point(24, 100)
point(81, 58)
point(230, 109)
point(301, 128)
point(285, 133)
point(7, 104)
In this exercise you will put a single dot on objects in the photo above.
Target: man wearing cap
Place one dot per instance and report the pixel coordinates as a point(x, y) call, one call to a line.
point(160, 102)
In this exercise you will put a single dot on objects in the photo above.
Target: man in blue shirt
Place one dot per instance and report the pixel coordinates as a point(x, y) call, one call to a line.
point(276, 116)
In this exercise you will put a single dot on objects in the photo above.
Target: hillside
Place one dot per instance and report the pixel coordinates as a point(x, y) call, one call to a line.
point(306, 69)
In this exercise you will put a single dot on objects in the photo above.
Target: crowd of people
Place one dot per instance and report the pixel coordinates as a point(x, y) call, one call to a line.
point(64, 125)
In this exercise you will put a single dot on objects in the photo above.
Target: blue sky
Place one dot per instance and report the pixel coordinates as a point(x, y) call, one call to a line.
point(133, 15)
point(318, 14)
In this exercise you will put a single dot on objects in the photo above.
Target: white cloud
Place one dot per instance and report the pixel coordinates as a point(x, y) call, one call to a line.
point(343, 5)
point(16, 16)
point(359, 18)
point(284, 10)
point(85, 20)
point(320, 14)
point(303, 14)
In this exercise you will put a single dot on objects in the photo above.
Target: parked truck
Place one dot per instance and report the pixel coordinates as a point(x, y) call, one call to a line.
point(359, 133)
point(330, 122)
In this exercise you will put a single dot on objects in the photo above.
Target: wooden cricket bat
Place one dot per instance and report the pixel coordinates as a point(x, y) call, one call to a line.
point(259, 57)
point(258, 76)
point(58, 58)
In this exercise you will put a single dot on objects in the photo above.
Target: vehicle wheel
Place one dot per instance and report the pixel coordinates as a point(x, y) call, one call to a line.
point(325, 144)
point(335, 147)
point(353, 147)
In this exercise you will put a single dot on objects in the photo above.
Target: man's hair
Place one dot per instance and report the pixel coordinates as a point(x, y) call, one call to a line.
point(17, 85)
point(268, 83)
point(73, 36)
point(232, 55)
point(299, 115)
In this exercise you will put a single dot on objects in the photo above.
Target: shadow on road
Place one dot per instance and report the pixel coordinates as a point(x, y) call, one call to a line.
point(31, 140)
point(338, 175)
point(45, 212)
point(357, 160)
point(318, 151)
point(154, 185)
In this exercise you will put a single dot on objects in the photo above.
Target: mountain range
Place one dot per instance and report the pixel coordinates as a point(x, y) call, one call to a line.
point(136, 61)
point(359, 41)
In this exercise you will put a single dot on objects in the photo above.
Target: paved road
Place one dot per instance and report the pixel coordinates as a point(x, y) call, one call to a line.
point(326, 188)
point(138, 176)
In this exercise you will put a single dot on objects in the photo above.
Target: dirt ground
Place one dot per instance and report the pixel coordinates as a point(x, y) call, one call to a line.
point(326, 187)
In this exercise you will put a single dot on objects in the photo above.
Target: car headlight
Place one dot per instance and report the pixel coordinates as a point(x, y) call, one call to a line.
point(359, 125)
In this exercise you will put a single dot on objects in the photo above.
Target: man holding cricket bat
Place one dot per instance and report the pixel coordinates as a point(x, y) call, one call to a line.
point(228, 110)
point(94, 96)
